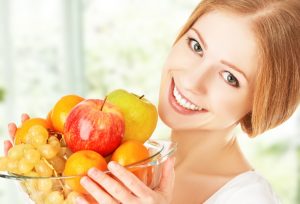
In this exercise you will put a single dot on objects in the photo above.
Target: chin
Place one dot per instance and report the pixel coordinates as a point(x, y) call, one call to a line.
point(170, 120)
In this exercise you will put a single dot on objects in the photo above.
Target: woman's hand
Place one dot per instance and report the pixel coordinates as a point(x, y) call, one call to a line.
point(12, 128)
point(112, 191)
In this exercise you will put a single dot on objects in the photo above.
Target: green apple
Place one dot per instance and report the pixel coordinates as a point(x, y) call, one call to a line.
point(140, 115)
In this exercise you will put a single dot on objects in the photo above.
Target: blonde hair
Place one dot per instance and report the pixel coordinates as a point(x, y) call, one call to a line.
point(276, 24)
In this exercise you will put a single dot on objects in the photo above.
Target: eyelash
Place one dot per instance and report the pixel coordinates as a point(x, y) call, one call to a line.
point(191, 40)
point(235, 84)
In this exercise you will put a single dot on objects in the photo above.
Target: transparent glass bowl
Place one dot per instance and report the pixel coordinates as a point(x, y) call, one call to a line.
point(54, 190)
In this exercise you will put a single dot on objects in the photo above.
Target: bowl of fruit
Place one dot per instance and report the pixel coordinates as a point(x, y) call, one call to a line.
point(50, 155)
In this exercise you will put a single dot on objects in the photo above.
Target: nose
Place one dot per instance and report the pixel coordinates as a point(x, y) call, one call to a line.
point(197, 79)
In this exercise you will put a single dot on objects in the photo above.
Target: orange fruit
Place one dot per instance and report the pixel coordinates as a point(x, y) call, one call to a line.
point(130, 152)
point(21, 133)
point(49, 117)
point(61, 110)
point(78, 164)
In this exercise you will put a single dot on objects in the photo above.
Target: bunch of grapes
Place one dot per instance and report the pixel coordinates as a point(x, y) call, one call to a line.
point(43, 155)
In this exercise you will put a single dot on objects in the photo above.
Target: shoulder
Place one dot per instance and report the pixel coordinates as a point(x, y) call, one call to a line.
point(246, 188)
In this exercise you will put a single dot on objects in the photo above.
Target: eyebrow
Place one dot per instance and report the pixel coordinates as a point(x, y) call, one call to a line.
point(200, 37)
point(222, 61)
point(234, 67)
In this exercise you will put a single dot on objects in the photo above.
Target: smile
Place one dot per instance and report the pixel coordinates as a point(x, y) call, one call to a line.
point(181, 104)
point(182, 101)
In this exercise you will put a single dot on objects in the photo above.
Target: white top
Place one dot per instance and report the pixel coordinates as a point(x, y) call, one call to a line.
point(246, 188)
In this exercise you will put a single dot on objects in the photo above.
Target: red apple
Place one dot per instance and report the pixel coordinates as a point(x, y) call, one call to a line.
point(96, 125)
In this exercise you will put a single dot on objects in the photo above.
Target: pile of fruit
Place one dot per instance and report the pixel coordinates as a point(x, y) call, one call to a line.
point(79, 134)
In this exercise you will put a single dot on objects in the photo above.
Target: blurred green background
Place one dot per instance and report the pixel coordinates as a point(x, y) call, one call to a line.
point(49, 48)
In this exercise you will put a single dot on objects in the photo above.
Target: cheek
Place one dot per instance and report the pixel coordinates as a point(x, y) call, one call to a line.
point(231, 105)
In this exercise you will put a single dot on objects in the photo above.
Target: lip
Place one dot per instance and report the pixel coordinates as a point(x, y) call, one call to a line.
point(178, 108)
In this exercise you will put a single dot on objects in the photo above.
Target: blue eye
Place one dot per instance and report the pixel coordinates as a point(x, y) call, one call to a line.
point(195, 45)
point(230, 79)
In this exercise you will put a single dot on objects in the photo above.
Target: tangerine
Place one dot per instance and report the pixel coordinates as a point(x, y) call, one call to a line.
point(78, 164)
point(61, 110)
point(129, 152)
point(21, 133)
point(48, 118)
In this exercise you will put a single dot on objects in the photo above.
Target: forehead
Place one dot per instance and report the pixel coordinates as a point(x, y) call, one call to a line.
point(230, 37)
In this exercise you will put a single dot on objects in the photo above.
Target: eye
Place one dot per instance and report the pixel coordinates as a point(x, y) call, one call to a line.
point(195, 45)
point(230, 79)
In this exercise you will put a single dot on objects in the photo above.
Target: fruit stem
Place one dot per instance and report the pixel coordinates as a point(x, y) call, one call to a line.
point(142, 96)
point(103, 103)
point(54, 171)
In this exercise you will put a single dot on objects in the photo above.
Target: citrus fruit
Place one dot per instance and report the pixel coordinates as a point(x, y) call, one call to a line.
point(61, 110)
point(129, 152)
point(78, 164)
point(22, 131)
point(49, 117)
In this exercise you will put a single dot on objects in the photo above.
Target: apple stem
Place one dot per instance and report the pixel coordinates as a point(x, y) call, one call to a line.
point(103, 103)
point(142, 96)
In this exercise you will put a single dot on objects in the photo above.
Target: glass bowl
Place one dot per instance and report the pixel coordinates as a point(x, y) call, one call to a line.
point(53, 189)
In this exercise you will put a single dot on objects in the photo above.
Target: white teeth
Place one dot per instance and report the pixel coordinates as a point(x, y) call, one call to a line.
point(183, 102)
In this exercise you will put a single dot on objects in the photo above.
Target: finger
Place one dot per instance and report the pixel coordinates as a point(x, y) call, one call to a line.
point(100, 195)
point(128, 179)
point(113, 187)
point(168, 176)
point(24, 117)
point(7, 146)
point(81, 200)
point(12, 128)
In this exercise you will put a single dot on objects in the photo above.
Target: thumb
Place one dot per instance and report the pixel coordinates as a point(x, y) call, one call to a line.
point(168, 176)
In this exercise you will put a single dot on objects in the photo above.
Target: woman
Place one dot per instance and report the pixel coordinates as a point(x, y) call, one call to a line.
point(235, 62)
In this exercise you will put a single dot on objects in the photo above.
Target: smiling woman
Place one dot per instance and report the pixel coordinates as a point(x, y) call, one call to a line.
point(208, 88)
point(53, 48)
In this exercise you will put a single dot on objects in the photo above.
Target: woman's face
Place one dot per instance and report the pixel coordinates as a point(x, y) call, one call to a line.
point(208, 78)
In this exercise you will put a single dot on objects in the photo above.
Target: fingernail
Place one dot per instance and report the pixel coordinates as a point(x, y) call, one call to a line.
point(113, 165)
point(92, 171)
point(83, 180)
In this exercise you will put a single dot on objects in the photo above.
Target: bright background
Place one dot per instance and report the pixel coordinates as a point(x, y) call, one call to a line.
point(49, 48)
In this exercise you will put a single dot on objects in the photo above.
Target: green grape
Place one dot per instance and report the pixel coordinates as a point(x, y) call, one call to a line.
point(32, 174)
point(37, 135)
point(28, 146)
point(3, 163)
point(48, 151)
point(38, 130)
point(71, 198)
point(62, 151)
point(55, 144)
point(55, 197)
point(16, 152)
point(12, 166)
point(58, 163)
point(31, 184)
point(25, 166)
point(43, 169)
point(32, 155)
point(45, 185)
point(38, 197)
point(52, 139)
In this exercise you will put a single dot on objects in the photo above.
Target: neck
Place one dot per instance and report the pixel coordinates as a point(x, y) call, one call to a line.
point(206, 151)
